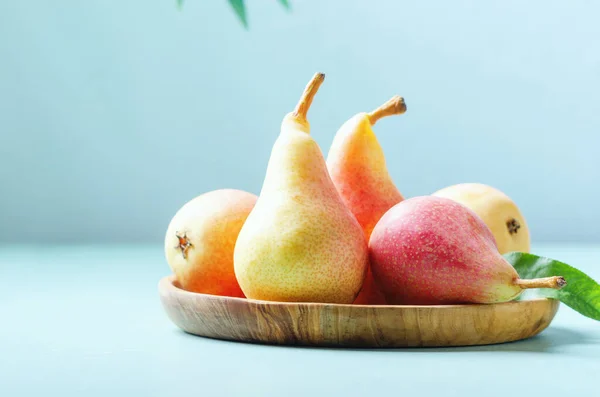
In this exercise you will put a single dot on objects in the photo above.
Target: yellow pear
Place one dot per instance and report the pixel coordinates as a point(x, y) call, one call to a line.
point(300, 242)
point(498, 212)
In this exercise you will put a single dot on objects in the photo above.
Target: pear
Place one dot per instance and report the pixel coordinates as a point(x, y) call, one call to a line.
point(357, 166)
point(432, 250)
point(497, 210)
point(300, 243)
point(200, 239)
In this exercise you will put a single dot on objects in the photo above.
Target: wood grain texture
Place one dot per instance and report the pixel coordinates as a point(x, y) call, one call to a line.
point(316, 324)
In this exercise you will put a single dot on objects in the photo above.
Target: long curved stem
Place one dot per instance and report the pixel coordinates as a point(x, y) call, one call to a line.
point(307, 96)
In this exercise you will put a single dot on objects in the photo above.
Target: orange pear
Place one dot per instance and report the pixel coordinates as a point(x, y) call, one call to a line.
point(201, 237)
point(357, 166)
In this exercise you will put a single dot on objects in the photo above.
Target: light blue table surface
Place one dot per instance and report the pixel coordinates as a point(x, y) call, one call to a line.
point(87, 321)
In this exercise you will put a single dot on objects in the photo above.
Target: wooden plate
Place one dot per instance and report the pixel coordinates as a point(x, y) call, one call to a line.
point(317, 324)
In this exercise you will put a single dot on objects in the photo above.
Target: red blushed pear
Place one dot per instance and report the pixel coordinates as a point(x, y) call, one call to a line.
point(357, 166)
point(432, 250)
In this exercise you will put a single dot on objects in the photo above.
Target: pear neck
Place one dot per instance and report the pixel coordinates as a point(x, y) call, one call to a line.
point(292, 123)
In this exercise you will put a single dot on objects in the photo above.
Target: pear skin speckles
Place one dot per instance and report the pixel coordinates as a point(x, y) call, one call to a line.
point(497, 210)
point(357, 166)
point(300, 242)
point(432, 250)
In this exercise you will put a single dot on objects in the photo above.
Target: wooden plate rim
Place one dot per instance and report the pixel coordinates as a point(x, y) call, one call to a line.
point(167, 284)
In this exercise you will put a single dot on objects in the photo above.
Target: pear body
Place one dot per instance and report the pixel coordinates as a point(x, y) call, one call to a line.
point(357, 166)
point(300, 243)
point(210, 223)
point(432, 250)
point(497, 210)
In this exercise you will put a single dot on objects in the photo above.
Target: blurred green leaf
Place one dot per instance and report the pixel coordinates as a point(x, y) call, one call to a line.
point(240, 11)
point(285, 4)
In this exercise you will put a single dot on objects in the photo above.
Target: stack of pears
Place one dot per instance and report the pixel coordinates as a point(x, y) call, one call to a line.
point(340, 231)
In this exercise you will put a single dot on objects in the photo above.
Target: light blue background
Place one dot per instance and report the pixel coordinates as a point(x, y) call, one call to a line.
point(115, 113)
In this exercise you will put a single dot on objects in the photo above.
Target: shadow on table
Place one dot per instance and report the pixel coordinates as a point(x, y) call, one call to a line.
point(551, 339)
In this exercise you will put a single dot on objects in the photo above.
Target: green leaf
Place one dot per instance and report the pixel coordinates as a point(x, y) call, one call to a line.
point(285, 4)
point(180, 3)
point(581, 293)
point(240, 11)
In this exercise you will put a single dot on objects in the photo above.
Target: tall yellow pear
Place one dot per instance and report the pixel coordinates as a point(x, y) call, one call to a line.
point(300, 243)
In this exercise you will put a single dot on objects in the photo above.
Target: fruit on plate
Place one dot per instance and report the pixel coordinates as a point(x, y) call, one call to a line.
point(497, 210)
point(300, 242)
point(201, 237)
point(433, 250)
point(357, 166)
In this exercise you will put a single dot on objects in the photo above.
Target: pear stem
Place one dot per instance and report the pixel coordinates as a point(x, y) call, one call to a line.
point(395, 105)
point(556, 282)
point(307, 96)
